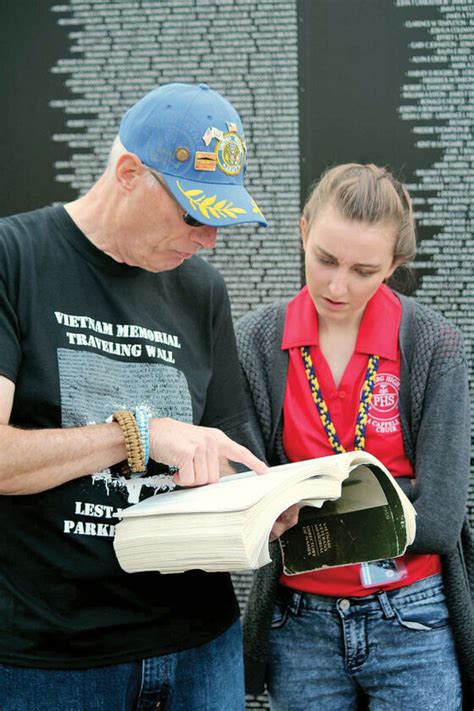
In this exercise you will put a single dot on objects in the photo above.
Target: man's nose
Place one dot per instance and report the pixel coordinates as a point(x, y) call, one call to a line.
point(205, 236)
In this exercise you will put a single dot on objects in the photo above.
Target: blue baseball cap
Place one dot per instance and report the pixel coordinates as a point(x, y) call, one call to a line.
point(195, 139)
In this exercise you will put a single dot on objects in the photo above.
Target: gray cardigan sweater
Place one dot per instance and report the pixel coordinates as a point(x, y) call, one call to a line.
point(434, 414)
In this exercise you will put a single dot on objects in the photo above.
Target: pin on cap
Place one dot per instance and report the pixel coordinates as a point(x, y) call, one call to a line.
point(204, 160)
point(178, 122)
point(182, 154)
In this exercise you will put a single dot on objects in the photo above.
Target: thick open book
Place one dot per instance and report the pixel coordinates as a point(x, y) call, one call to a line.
point(354, 511)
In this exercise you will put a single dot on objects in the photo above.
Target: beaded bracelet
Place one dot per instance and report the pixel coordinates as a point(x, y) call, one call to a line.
point(141, 418)
point(133, 444)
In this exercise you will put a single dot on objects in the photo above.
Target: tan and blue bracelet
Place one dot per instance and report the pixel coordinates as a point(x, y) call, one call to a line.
point(132, 439)
point(142, 419)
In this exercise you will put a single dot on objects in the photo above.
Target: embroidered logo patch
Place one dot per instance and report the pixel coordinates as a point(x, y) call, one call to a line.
point(230, 154)
point(383, 412)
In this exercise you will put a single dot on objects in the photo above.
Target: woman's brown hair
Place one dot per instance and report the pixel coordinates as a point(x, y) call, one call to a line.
point(366, 193)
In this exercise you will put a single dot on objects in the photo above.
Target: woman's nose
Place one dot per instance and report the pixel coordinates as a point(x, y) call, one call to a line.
point(338, 283)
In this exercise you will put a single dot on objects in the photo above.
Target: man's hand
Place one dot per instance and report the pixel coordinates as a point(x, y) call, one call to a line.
point(200, 453)
point(286, 520)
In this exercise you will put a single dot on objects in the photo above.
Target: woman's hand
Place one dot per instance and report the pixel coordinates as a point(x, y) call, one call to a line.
point(285, 520)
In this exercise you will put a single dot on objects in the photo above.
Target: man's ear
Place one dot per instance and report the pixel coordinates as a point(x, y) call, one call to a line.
point(128, 169)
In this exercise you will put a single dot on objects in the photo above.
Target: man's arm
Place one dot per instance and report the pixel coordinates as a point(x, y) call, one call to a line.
point(37, 460)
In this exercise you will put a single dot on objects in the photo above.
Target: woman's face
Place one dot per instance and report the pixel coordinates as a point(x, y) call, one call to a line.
point(345, 262)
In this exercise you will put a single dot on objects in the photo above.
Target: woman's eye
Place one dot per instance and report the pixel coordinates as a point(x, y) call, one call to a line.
point(361, 273)
point(323, 260)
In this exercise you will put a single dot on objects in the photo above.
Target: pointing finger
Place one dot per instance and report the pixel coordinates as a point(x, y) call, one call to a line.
point(245, 456)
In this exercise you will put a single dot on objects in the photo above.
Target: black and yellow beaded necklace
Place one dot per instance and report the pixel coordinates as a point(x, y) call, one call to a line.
point(323, 410)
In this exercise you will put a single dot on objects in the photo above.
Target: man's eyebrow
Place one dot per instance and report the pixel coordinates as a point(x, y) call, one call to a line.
point(359, 264)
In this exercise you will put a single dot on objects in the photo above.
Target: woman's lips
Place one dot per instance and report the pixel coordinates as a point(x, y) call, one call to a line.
point(334, 304)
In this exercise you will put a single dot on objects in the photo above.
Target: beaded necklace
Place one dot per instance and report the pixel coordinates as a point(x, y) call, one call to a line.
point(322, 408)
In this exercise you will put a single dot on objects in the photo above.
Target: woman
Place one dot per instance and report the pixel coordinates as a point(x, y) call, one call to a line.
point(355, 634)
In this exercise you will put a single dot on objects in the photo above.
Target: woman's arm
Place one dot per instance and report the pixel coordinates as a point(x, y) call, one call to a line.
point(442, 463)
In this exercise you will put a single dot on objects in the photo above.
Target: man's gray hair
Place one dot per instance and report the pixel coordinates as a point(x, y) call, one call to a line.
point(117, 149)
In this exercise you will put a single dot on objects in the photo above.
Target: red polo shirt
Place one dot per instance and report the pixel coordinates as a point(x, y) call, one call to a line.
point(304, 436)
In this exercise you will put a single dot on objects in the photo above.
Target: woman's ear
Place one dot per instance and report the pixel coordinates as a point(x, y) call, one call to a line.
point(395, 264)
point(303, 230)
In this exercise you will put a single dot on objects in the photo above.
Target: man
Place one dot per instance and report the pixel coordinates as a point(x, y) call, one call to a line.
point(116, 343)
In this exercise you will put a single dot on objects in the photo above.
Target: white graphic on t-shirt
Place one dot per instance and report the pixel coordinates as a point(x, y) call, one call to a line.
point(82, 339)
point(93, 386)
point(383, 413)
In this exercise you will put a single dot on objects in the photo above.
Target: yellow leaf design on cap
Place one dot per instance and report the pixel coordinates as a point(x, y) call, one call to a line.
point(208, 201)
point(206, 205)
point(255, 207)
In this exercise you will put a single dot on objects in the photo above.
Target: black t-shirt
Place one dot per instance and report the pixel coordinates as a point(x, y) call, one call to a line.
point(82, 336)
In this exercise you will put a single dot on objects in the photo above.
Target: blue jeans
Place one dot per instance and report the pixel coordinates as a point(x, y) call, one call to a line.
point(389, 651)
point(206, 678)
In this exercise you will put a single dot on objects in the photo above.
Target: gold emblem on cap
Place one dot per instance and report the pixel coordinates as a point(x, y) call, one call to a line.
point(182, 154)
point(230, 154)
point(204, 160)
